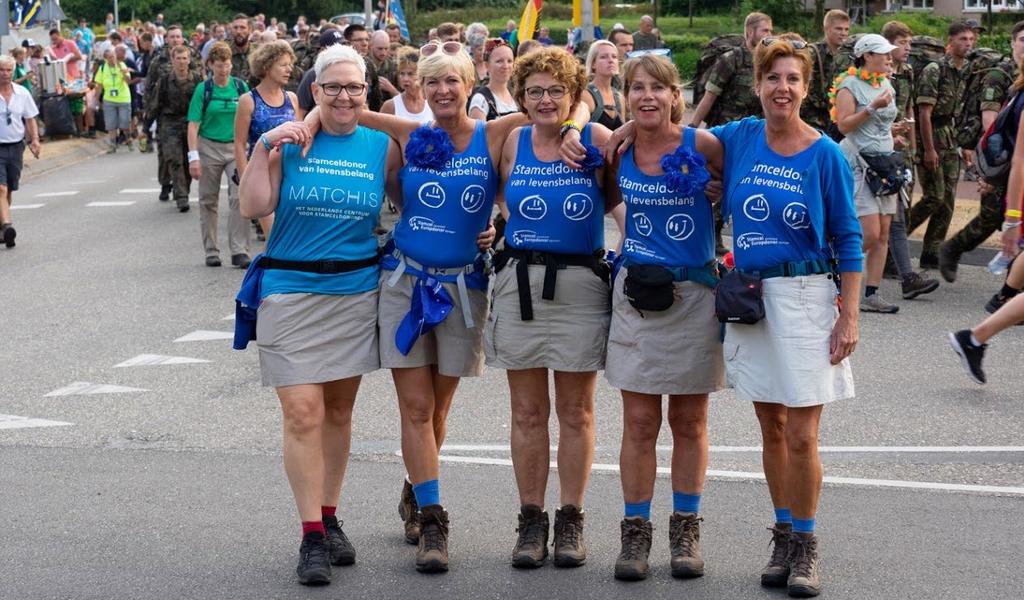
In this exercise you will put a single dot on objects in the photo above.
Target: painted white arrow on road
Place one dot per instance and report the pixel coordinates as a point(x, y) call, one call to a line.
point(206, 336)
point(82, 388)
point(16, 422)
point(152, 360)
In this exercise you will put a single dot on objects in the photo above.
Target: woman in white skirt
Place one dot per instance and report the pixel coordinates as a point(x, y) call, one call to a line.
point(316, 288)
point(789, 191)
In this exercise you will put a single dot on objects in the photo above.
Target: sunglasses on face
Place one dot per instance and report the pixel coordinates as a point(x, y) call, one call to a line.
point(797, 44)
point(554, 92)
point(449, 48)
point(351, 89)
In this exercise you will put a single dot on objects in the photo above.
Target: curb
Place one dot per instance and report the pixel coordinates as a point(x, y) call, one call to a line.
point(61, 153)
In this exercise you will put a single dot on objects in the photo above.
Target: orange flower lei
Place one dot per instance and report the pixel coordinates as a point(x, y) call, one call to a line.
point(875, 79)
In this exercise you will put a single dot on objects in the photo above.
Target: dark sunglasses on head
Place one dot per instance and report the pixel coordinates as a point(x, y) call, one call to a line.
point(797, 44)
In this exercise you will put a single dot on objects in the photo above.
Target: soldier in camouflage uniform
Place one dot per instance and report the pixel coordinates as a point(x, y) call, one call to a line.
point(240, 47)
point(171, 96)
point(815, 108)
point(383, 63)
point(993, 92)
point(158, 69)
point(306, 48)
point(940, 91)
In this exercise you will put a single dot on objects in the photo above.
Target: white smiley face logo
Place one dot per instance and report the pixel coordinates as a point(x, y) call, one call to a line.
point(473, 198)
point(431, 194)
point(796, 216)
point(643, 224)
point(533, 208)
point(679, 227)
point(577, 207)
point(756, 208)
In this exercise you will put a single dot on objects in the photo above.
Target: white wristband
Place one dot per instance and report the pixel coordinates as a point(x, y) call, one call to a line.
point(193, 156)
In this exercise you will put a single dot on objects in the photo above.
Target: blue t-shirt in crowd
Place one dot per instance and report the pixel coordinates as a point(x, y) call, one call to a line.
point(552, 208)
point(663, 227)
point(444, 211)
point(771, 222)
point(329, 204)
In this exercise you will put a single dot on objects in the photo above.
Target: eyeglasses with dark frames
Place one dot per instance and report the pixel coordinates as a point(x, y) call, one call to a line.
point(351, 89)
point(554, 92)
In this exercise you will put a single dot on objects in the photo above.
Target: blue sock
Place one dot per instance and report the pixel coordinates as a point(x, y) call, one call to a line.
point(427, 493)
point(685, 503)
point(803, 525)
point(639, 509)
point(782, 515)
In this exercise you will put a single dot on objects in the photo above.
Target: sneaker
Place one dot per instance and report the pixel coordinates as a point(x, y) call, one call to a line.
point(432, 551)
point(213, 261)
point(631, 565)
point(410, 513)
point(342, 551)
point(240, 260)
point(570, 550)
point(929, 261)
point(532, 545)
point(915, 285)
point(949, 259)
point(776, 572)
point(804, 580)
point(183, 208)
point(314, 560)
point(9, 234)
point(970, 355)
point(684, 542)
point(875, 303)
point(165, 192)
point(995, 303)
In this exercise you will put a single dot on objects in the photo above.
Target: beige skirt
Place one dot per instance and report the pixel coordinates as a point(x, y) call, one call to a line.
point(674, 351)
point(316, 338)
point(568, 333)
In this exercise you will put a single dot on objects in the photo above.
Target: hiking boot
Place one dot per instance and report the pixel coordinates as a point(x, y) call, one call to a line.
point(631, 565)
point(914, 285)
point(949, 259)
point(570, 550)
point(241, 261)
point(314, 560)
point(776, 572)
point(684, 542)
point(9, 234)
point(929, 261)
point(875, 303)
point(532, 545)
point(342, 552)
point(165, 192)
point(432, 551)
point(410, 513)
point(804, 580)
point(970, 355)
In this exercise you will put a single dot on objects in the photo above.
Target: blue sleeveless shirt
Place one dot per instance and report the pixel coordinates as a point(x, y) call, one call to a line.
point(266, 117)
point(663, 227)
point(329, 204)
point(552, 208)
point(444, 211)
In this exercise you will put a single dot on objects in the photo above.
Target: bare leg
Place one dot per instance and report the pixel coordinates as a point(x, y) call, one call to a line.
point(638, 461)
point(803, 483)
point(688, 419)
point(574, 405)
point(1009, 315)
point(416, 404)
point(775, 456)
point(5, 204)
point(339, 398)
point(531, 454)
point(444, 393)
point(303, 410)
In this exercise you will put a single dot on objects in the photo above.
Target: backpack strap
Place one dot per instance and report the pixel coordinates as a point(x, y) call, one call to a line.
point(492, 104)
point(207, 94)
point(598, 103)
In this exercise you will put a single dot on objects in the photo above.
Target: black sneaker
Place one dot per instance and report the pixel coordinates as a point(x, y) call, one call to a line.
point(342, 551)
point(970, 355)
point(995, 303)
point(240, 260)
point(9, 235)
point(949, 259)
point(915, 285)
point(165, 192)
point(213, 261)
point(314, 560)
point(532, 544)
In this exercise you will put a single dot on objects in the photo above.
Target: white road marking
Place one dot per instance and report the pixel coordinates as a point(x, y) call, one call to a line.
point(16, 422)
point(26, 206)
point(80, 388)
point(54, 194)
point(230, 317)
point(206, 336)
point(822, 449)
point(152, 360)
point(140, 191)
point(752, 476)
point(91, 181)
point(110, 203)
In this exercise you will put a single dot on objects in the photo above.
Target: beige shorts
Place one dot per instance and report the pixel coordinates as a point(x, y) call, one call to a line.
point(316, 338)
point(568, 333)
point(784, 358)
point(457, 350)
point(674, 351)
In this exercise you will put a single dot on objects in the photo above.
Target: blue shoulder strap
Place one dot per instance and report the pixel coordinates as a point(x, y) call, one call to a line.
point(690, 138)
point(585, 134)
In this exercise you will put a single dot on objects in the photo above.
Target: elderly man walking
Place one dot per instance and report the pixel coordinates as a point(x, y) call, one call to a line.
point(16, 102)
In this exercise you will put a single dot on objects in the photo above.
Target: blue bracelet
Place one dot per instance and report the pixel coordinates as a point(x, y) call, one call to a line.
point(266, 144)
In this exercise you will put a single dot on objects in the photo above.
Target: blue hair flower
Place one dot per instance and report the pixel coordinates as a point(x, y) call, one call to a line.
point(685, 171)
point(593, 160)
point(429, 148)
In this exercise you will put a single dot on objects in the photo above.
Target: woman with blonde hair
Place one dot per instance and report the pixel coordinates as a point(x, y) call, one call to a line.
point(603, 100)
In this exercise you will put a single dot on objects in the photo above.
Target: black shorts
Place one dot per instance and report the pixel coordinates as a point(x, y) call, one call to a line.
point(10, 164)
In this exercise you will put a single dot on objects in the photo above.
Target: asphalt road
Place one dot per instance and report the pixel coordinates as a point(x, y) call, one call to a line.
point(174, 486)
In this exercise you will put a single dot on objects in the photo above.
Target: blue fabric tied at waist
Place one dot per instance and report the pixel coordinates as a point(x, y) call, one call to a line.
point(430, 306)
point(817, 266)
point(247, 302)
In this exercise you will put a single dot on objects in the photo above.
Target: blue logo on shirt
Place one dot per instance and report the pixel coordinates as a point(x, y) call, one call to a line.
point(533, 208)
point(756, 208)
point(431, 194)
point(578, 207)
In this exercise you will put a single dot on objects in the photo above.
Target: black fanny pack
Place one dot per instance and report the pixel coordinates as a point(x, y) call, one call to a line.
point(738, 298)
point(649, 287)
point(885, 172)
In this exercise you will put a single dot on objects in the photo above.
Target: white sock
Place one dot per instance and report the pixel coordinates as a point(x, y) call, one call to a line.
point(975, 341)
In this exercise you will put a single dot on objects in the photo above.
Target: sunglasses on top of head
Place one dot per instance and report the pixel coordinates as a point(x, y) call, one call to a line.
point(797, 44)
point(449, 48)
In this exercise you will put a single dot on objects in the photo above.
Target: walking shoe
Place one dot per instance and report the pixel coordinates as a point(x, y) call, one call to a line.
point(165, 192)
point(776, 572)
point(342, 551)
point(213, 261)
point(111, 148)
point(890, 271)
point(915, 285)
point(804, 580)
point(532, 545)
point(929, 261)
point(995, 303)
point(949, 259)
point(240, 260)
point(432, 551)
point(410, 513)
point(631, 565)
point(570, 550)
point(875, 303)
point(183, 208)
point(684, 542)
point(9, 234)
point(970, 355)
point(314, 560)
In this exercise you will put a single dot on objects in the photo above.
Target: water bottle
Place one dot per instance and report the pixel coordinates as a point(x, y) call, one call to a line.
point(998, 264)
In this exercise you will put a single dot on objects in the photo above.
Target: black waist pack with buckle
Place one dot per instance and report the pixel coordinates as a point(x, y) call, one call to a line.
point(649, 287)
point(738, 298)
point(884, 172)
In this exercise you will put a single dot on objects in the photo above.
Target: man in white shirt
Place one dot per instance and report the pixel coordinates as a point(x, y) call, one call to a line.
point(17, 115)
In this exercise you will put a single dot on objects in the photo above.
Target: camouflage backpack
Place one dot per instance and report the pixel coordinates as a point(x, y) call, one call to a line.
point(981, 63)
point(924, 49)
point(708, 56)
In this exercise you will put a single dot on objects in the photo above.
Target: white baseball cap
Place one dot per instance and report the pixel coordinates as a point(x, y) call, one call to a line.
point(872, 42)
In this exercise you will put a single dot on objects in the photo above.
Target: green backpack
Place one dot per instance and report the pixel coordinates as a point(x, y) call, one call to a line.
point(924, 50)
point(708, 56)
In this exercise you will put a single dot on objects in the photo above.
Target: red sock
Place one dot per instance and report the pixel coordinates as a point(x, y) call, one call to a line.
point(309, 526)
point(328, 511)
